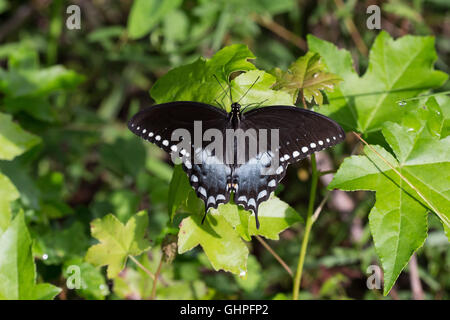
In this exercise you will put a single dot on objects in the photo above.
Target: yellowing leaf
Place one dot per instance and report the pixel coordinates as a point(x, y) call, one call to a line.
point(308, 76)
point(117, 241)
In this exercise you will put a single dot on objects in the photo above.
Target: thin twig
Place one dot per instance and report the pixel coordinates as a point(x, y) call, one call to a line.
point(323, 173)
point(441, 216)
point(275, 255)
point(414, 279)
point(281, 31)
point(153, 296)
point(142, 267)
point(320, 207)
point(350, 25)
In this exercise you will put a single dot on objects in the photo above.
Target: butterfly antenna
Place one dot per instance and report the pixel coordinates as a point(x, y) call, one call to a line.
point(258, 104)
point(219, 104)
point(221, 85)
point(248, 89)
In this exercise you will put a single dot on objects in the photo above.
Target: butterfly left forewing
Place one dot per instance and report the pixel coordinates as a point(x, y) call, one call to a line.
point(158, 123)
point(207, 174)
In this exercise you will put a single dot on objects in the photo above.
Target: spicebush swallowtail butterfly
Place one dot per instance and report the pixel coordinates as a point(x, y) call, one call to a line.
point(215, 173)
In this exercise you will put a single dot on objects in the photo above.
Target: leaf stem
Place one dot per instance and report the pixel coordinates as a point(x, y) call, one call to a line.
point(308, 226)
point(142, 267)
point(158, 271)
point(276, 256)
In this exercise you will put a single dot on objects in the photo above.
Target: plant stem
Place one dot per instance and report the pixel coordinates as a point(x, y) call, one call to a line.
point(55, 29)
point(350, 25)
point(142, 267)
point(152, 297)
point(276, 256)
point(281, 31)
point(308, 226)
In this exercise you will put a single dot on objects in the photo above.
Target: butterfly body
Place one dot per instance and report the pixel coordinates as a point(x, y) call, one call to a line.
point(245, 153)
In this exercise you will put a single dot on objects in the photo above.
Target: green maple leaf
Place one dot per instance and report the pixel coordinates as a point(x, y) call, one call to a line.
point(398, 69)
point(13, 139)
point(261, 92)
point(221, 243)
point(196, 82)
point(117, 241)
point(308, 76)
point(17, 268)
point(398, 220)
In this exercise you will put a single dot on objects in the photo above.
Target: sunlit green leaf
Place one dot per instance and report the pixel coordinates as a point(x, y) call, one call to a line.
point(196, 82)
point(221, 243)
point(398, 69)
point(117, 241)
point(261, 92)
point(398, 221)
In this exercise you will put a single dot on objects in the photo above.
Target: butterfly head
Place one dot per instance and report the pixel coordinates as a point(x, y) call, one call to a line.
point(235, 108)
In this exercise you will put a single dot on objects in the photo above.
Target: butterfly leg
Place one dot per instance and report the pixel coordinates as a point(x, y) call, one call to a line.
point(204, 216)
point(256, 218)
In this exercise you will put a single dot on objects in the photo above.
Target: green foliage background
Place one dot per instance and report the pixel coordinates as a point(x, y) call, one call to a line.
point(77, 189)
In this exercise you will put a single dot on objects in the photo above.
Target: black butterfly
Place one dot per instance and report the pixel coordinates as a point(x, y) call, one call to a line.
point(300, 131)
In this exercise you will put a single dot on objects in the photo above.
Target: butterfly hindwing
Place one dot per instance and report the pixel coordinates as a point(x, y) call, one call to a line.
point(209, 177)
point(253, 186)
